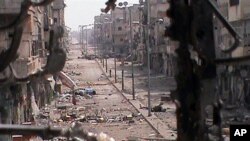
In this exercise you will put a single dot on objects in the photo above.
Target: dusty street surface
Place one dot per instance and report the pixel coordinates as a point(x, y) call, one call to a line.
point(107, 111)
point(160, 87)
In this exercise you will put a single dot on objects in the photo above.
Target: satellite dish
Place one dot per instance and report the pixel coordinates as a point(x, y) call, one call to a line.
point(120, 3)
point(125, 3)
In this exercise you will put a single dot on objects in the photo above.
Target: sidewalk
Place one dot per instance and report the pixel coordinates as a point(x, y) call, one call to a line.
point(164, 122)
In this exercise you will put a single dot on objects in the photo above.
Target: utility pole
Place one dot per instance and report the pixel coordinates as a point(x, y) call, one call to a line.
point(122, 79)
point(80, 35)
point(86, 48)
point(132, 54)
point(115, 70)
point(148, 55)
point(125, 5)
point(95, 41)
point(106, 61)
point(113, 44)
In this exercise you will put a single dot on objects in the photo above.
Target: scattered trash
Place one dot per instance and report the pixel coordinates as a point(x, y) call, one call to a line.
point(85, 91)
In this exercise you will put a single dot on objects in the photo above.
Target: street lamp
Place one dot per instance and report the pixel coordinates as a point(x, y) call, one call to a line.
point(97, 38)
point(86, 38)
point(130, 44)
point(124, 20)
point(80, 36)
point(125, 3)
point(96, 26)
point(86, 34)
point(149, 50)
point(107, 33)
point(132, 54)
point(148, 55)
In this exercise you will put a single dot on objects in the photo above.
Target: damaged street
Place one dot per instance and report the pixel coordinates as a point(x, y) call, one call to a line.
point(106, 111)
point(124, 70)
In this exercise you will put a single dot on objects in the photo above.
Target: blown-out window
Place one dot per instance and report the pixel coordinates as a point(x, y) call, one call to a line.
point(234, 2)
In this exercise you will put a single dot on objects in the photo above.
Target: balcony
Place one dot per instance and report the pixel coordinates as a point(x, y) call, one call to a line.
point(25, 67)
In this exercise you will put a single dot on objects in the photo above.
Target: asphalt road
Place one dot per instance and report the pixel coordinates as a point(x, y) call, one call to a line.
point(108, 103)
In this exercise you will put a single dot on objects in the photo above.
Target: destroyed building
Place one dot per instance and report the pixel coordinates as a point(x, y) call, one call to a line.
point(233, 79)
point(22, 84)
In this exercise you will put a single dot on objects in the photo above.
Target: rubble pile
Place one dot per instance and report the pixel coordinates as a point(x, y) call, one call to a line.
point(65, 112)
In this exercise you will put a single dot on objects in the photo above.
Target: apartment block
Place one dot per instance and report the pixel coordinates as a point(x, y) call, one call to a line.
point(17, 85)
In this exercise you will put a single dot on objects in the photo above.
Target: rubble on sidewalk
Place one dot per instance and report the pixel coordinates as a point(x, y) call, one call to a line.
point(93, 111)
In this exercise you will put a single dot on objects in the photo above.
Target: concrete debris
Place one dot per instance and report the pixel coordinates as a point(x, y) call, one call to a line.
point(131, 121)
point(166, 98)
point(143, 107)
point(129, 117)
point(158, 108)
point(68, 113)
point(129, 128)
point(73, 73)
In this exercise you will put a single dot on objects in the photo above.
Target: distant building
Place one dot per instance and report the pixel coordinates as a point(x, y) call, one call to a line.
point(120, 30)
point(103, 33)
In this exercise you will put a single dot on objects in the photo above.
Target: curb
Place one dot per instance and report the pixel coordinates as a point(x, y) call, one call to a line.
point(116, 86)
point(146, 119)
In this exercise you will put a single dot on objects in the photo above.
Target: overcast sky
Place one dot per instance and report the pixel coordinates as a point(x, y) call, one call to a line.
point(81, 12)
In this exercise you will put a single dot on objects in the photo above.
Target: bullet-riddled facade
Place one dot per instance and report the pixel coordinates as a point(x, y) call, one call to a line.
point(120, 30)
point(19, 81)
point(103, 33)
